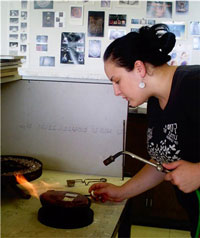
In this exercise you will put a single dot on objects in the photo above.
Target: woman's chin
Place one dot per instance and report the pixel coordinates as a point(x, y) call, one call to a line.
point(131, 104)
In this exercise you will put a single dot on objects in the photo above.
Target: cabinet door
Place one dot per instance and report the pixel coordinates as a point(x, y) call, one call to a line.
point(135, 142)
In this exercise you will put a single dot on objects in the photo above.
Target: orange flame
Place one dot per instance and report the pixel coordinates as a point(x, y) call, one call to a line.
point(37, 188)
point(28, 186)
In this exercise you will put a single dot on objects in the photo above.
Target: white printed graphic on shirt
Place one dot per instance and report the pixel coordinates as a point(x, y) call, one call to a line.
point(167, 148)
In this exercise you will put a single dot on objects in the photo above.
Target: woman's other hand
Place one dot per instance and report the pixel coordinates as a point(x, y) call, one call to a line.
point(106, 192)
point(185, 175)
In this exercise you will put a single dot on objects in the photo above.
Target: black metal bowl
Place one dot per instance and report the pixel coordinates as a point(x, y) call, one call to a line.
point(11, 165)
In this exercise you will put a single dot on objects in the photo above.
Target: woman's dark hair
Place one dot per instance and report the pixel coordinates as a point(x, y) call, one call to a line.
point(150, 44)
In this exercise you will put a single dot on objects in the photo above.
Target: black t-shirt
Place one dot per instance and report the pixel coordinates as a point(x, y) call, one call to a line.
point(174, 133)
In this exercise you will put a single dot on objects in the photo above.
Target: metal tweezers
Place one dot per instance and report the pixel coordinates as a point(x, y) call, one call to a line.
point(71, 182)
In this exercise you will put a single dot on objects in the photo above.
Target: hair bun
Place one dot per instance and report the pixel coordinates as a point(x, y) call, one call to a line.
point(157, 40)
point(150, 44)
point(167, 42)
point(165, 39)
point(145, 34)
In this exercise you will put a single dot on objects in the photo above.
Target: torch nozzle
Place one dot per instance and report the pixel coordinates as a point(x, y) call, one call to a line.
point(109, 160)
point(112, 158)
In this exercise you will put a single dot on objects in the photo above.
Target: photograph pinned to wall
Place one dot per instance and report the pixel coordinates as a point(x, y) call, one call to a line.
point(47, 61)
point(14, 20)
point(13, 37)
point(117, 20)
point(72, 48)
point(181, 54)
point(43, 4)
point(182, 7)
point(135, 21)
point(13, 48)
point(13, 45)
point(196, 43)
point(178, 28)
point(115, 33)
point(76, 15)
point(23, 38)
point(143, 21)
point(48, 19)
point(128, 3)
point(151, 22)
point(94, 49)
point(24, 15)
point(42, 39)
point(135, 29)
point(41, 43)
point(23, 48)
point(24, 52)
point(105, 3)
point(23, 26)
point(59, 19)
point(96, 23)
point(41, 47)
point(24, 4)
point(14, 13)
point(195, 28)
point(159, 9)
point(13, 29)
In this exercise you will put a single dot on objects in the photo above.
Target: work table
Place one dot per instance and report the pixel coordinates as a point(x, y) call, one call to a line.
point(19, 216)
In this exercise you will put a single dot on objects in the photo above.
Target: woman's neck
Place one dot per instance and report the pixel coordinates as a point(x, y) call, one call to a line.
point(162, 83)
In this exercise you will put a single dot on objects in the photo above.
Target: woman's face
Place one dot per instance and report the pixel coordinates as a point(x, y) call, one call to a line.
point(125, 83)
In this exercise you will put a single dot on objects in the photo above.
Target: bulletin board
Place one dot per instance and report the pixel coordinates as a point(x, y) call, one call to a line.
point(65, 40)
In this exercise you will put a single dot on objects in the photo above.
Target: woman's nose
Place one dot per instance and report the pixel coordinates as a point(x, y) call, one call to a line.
point(116, 89)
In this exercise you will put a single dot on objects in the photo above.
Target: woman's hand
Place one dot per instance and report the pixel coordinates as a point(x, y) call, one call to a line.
point(185, 175)
point(147, 178)
point(106, 192)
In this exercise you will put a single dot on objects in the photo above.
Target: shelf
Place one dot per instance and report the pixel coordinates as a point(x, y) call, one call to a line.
point(10, 79)
point(9, 68)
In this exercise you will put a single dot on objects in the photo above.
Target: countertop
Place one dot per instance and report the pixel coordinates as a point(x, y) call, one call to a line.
point(19, 216)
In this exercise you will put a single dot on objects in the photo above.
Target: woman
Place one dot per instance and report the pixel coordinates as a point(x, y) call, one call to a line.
point(137, 66)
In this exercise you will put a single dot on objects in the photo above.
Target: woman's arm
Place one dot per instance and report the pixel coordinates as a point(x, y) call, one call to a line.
point(147, 178)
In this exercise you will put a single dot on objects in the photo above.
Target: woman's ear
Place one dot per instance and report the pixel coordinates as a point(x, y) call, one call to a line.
point(140, 68)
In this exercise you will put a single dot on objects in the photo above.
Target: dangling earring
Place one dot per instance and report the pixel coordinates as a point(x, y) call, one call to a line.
point(142, 84)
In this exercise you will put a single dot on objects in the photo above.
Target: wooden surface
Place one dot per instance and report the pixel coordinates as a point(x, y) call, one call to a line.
point(19, 216)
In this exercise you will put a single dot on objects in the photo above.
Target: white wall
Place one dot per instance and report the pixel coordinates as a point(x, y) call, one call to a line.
point(4, 25)
point(93, 68)
point(68, 126)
